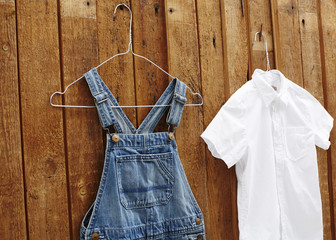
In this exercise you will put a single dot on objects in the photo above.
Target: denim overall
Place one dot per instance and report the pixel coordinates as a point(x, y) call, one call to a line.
point(143, 192)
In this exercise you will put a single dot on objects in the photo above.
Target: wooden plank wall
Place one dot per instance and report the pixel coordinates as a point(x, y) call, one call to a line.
point(52, 158)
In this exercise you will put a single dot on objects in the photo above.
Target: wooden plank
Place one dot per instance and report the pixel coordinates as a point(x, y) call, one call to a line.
point(42, 125)
point(312, 81)
point(289, 46)
point(113, 38)
point(183, 62)
point(236, 45)
point(236, 57)
point(275, 29)
point(212, 74)
point(259, 15)
point(12, 199)
point(149, 39)
point(327, 16)
point(85, 148)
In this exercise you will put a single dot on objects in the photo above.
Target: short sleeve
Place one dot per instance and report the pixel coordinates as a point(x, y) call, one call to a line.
point(226, 134)
point(321, 122)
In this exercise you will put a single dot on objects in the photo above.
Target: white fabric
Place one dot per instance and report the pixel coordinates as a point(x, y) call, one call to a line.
point(270, 135)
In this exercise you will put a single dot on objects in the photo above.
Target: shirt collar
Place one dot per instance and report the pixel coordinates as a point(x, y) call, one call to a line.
point(259, 78)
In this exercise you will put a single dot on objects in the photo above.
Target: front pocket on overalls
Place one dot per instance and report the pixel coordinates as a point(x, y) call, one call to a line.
point(145, 180)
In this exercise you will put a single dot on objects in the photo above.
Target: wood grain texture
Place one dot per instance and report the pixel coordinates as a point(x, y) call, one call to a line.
point(212, 74)
point(183, 62)
point(276, 37)
point(12, 201)
point(236, 57)
point(113, 35)
point(259, 17)
point(236, 48)
point(328, 31)
point(42, 125)
point(312, 82)
point(85, 149)
point(52, 158)
point(289, 40)
point(149, 39)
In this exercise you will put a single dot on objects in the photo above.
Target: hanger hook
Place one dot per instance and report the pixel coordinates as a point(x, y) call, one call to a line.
point(267, 59)
point(130, 25)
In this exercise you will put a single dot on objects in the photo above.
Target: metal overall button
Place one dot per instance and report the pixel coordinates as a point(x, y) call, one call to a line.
point(198, 221)
point(171, 136)
point(115, 138)
point(95, 236)
point(199, 237)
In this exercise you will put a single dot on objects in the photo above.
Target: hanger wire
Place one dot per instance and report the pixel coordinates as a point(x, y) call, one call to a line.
point(267, 59)
point(130, 48)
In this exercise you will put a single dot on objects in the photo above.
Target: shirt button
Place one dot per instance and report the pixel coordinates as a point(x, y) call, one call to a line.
point(171, 136)
point(198, 221)
point(199, 237)
point(115, 138)
point(95, 236)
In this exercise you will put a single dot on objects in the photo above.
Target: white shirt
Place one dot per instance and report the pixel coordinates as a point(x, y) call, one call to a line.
point(270, 134)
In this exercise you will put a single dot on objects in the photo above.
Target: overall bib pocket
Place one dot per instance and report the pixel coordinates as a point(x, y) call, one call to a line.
point(145, 180)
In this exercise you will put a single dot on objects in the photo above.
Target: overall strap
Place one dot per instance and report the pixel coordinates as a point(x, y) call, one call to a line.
point(177, 105)
point(174, 95)
point(104, 100)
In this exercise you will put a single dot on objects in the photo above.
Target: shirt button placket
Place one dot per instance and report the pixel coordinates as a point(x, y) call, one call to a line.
point(279, 159)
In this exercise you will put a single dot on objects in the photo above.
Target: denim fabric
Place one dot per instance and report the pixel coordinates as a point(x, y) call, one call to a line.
point(143, 192)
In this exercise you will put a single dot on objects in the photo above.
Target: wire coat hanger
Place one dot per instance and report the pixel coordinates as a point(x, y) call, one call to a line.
point(130, 48)
point(267, 59)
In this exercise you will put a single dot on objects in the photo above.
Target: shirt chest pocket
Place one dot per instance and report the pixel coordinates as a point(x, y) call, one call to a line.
point(298, 140)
